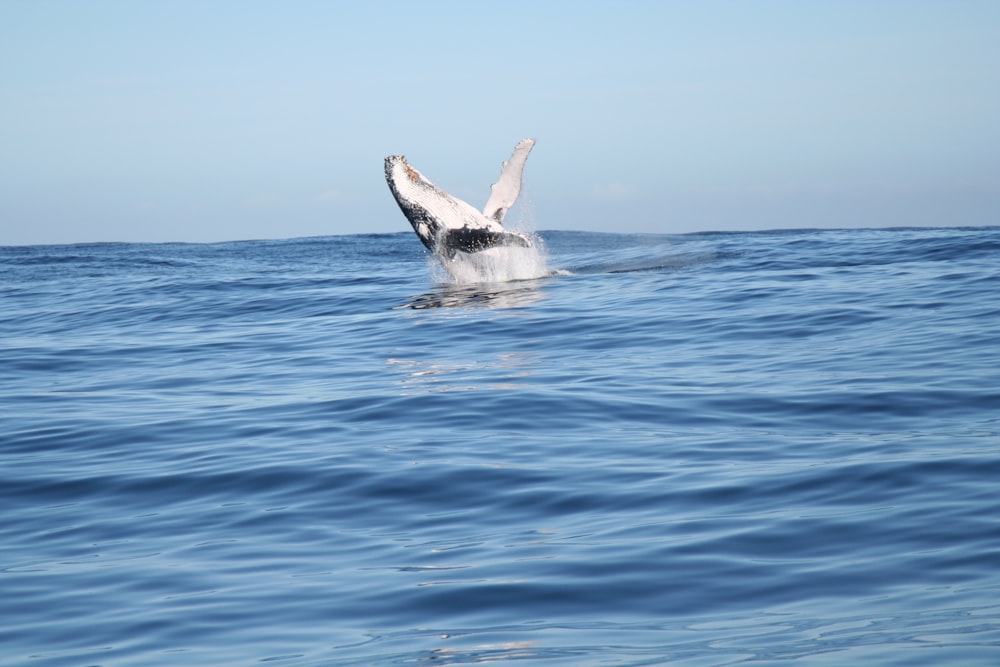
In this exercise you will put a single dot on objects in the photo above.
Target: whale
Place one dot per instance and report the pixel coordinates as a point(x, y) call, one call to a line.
point(445, 224)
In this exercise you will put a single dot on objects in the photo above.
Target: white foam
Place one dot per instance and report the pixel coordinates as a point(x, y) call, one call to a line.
point(499, 264)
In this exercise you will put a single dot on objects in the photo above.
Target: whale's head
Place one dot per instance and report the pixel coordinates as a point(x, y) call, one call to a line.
point(417, 197)
point(399, 171)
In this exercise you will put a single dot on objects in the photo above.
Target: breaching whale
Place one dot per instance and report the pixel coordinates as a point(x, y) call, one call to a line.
point(446, 224)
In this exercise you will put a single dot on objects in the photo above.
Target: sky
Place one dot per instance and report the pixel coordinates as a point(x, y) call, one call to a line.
point(222, 120)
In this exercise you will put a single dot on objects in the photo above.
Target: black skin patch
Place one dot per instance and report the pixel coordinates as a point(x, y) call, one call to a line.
point(468, 239)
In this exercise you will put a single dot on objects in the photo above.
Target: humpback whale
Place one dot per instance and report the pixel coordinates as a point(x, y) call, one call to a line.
point(447, 225)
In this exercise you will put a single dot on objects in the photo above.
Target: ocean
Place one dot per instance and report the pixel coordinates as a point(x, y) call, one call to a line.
point(704, 449)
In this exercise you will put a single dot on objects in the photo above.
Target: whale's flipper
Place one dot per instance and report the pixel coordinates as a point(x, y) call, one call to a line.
point(446, 224)
point(504, 192)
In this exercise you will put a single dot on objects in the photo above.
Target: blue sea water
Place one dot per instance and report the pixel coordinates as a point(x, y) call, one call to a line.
point(704, 449)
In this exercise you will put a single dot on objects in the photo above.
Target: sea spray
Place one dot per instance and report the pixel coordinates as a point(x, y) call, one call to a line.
point(494, 265)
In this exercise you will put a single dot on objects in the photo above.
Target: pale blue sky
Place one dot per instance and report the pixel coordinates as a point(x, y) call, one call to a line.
point(207, 121)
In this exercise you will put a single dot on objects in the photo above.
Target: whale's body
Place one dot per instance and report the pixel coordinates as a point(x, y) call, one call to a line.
point(447, 225)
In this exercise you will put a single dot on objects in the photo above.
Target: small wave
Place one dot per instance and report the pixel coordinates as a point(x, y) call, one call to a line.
point(642, 258)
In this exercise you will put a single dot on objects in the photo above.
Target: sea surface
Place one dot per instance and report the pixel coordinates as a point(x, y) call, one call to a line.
point(705, 449)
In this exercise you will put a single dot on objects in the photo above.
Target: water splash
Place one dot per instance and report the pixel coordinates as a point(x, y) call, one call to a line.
point(494, 265)
point(500, 264)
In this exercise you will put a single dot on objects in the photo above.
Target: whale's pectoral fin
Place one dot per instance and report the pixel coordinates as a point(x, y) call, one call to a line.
point(504, 192)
